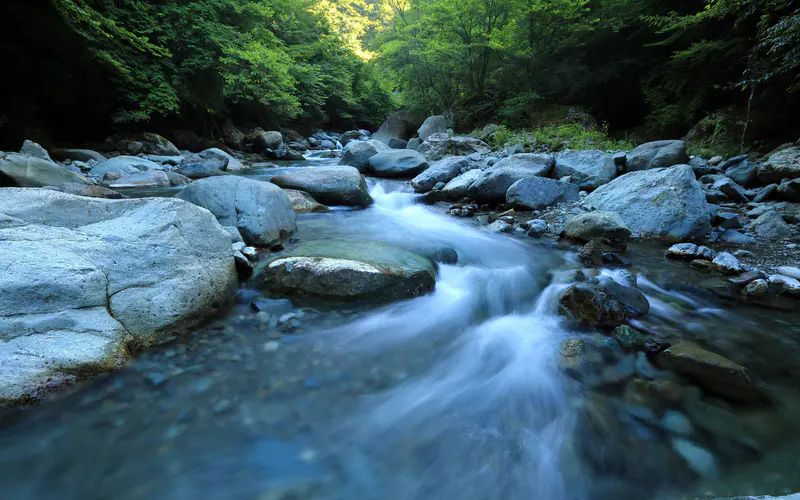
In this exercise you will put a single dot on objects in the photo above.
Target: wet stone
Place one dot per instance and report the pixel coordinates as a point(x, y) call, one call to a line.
point(629, 338)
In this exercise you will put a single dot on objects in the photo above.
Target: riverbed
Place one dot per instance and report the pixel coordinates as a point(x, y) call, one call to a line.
point(454, 395)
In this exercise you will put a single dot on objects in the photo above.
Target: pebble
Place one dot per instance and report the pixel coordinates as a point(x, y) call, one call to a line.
point(676, 423)
point(699, 459)
point(272, 346)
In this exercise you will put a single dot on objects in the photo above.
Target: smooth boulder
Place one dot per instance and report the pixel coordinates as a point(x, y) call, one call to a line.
point(593, 225)
point(784, 164)
point(331, 186)
point(535, 193)
point(459, 187)
point(493, 183)
point(149, 179)
point(658, 154)
point(432, 125)
point(589, 169)
point(19, 170)
point(442, 171)
point(88, 279)
point(124, 165)
point(261, 211)
point(231, 163)
point(397, 164)
point(347, 271)
point(438, 146)
point(663, 203)
point(357, 154)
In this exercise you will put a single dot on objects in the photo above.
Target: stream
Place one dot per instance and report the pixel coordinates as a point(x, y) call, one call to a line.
point(454, 395)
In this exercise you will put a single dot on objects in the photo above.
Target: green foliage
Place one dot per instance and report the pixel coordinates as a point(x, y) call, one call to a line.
point(557, 138)
point(279, 60)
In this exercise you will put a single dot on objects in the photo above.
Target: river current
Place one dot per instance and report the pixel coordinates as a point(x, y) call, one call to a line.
point(454, 395)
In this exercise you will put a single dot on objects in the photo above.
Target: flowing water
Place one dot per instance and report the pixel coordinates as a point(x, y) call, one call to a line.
point(454, 395)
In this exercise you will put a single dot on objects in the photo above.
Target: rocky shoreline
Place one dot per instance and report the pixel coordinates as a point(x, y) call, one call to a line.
point(96, 276)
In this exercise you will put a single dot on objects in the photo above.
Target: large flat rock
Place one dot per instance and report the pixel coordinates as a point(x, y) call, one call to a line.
point(331, 186)
point(86, 279)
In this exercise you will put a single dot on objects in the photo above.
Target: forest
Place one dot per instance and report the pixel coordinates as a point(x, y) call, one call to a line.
point(643, 68)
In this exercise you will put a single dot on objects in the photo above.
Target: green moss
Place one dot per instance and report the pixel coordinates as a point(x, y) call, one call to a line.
point(557, 138)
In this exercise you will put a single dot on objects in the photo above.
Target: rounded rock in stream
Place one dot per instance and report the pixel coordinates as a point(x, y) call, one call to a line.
point(347, 271)
point(331, 186)
point(592, 304)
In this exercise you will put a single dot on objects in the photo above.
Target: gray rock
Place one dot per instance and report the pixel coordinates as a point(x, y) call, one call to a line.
point(261, 211)
point(659, 154)
point(663, 203)
point(633, 300)
point(535, 193)
point(231, 163)
point(790, 191)
point(677, 424)
point(31, 148)
point(176, 179)
point(154, 144)
point(351, 136)
point(500, 226)
point(231, 135)
point(781, 165)
point(438, 146)
point(727, 263)
point(537, 228)
point(331, 186)
point(400, 125)
point(258, 141)
point(357, 154)
point(236, 236)
point(27, 171)
point(89, 190)
point(442, 171)
point(716, 160)
point(398, 143)
point(690, 251)
point(594, 225)
point(698, 459)
point(771, 226)
point(432, 125)
point(124, 165)
point(304, 203)
point(345, 271)
point(85, 155)
point(149, 179)
point(200, 170)
point(75, 297)
point(733, 191)
point(326, 144)
point(592, 304)
point(732, 162)
point(744, 174)
point(738, 238)
point(757, 288)
point(459, 187)
point(414, 144)
point(784, 285)
point(399, 163)
point(726, 220)
point(589, 169)
point(493, 183)
point(791, 272)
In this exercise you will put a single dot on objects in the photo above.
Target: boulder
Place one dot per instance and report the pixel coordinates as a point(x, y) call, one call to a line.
point(432, 125)
point(124, 165)
point(27, 171)
point(790, 190)
point(261, 211)
point(352, 135)
point(154, 144)
point(634, 301)
point(438, 146)
point(535, 193)
point(459, 187)
point(231, 163)
point(493, 183)
point(442, 171)
point(200, 170)
point(176, 179)
point(594, 225)
point(414, 143)
point(781, 165)
point(88, 279)
point(31, 148)
point(658, 154)
point(398, 144)
point(663, 203)
point(304, 203)
point(727, 263)
point(396, 164)
point(85, 155)
point(771, 226)
point(714, 372)
point(589, 169)
point(744, 174)
point(732, 190)
point(331, 186)
point(257, 140)
point(593, 305)
point(149, 179)
point(232, 136)
point(400, 125)
point(357, 154)
point(690, 251)
point(346, 271)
